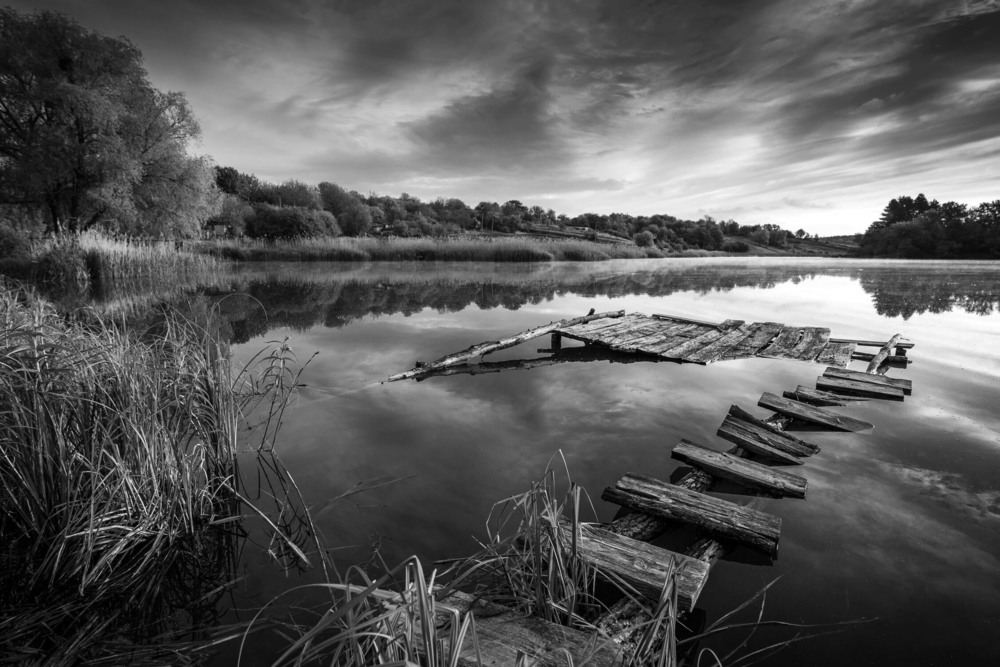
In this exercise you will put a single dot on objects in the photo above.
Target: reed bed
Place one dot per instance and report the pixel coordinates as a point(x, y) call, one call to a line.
point(450, 249)
point(118, 499)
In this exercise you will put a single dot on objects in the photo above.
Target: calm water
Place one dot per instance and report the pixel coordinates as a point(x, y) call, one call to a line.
point(901, 524)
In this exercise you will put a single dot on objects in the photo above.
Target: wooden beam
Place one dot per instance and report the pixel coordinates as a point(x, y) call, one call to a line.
point(744, 425)
point(872, 378)
point(811, 414)
point(492, 346)
point(858, 388)
point(639, 563)
point(870, 343)
point(722, 518)
point(816, 397)
point(502, 632)
point(884, 352)
point(771, 480)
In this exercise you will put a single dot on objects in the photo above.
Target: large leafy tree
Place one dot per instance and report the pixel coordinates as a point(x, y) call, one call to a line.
point(85, 137)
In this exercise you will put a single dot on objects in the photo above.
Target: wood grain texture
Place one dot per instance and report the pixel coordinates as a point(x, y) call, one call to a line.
point(760, 335)
point(811, 414)
point(772, 481)
point(639, 563)
point(742, 425)
point(715, 350)
point(905, 385)
point(858, 388)
point(823, 399)
point(884, 352)
point(502, 632)
point(836, 354)
point(681, 350)
point(722, 518)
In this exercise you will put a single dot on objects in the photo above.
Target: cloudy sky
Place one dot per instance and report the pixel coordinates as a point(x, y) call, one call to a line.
point(806, 113)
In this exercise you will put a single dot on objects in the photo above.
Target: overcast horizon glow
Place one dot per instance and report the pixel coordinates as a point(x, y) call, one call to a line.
point(804, 113)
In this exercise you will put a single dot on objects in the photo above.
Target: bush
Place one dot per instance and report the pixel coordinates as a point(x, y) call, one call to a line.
point(273, 222)
point(736, 246)
point(643, 239)
point(13, 243)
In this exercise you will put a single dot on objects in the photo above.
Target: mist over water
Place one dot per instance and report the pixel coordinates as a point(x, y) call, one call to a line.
point(902, 523)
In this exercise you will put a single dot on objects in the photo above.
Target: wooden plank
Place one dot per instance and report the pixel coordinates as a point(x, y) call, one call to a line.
point(893, 360)
point(836, 354)
point(760, 335)
point(642, 565)
point(802, 343)
point(617, 325)
point(816, 397)
point(676, 337)
point(870, 343)
point(756, 437)
point(502, 632)
point(715, 351)
point(811, 414)
point(814, 340)
point(688, 320)
point(492, 346)
point(856, 388)
point(773, 481)
point(692, 345)
point(871, 378)
point(754, 528)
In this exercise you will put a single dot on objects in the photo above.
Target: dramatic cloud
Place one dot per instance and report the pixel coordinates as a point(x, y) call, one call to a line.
point(802, 112)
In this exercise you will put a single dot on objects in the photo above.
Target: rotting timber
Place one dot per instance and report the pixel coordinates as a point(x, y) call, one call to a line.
point(650, 507)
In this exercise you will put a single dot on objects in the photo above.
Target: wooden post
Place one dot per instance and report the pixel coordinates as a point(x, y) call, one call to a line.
point(556, 343)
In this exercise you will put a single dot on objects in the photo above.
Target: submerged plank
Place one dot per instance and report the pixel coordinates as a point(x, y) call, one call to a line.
point(744, 424)
point(836, 354)
point(771, 480)
point(816, 397)
point(492, 346)
point(502, 632)
point(872, 378)
point(856, 388)
point(722, 518)
point(761, 334)
point(811, 414)
point(642, 565)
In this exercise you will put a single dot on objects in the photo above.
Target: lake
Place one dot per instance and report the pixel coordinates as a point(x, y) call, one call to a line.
point(901, 524)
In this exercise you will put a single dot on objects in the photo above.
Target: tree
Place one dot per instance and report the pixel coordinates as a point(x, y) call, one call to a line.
point(801, 234)
point(85, 138)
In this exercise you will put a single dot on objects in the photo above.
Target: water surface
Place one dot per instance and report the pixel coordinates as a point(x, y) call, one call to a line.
point(901, 524)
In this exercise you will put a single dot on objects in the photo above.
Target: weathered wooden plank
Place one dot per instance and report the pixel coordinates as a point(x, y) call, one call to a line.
point(811, 414)
point(619, 324)
point(760, 335)
point(683, 349)
point(856, 388)
point(642, 565)
point(725, 519)
point(836, 354)
point(743, 424)
point(893, 360)
point(771, 480)
point(749, 437)
point(714, 351)
point(814, 340)
point(640, 331)
point(502, 632)
point(676, 337)
point(884, 352)
point(816, 397)
point(870, 343)
point(688, 320)
point(899, 383)
point(783, 343)
point(492, 346)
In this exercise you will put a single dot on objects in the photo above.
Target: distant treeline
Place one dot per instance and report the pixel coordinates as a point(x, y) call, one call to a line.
point(914, 227)
point(258, 209)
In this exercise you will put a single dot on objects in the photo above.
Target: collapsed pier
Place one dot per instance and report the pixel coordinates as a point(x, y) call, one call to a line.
point(650, 507)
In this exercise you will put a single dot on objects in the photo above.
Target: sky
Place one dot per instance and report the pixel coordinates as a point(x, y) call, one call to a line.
point(809, 114)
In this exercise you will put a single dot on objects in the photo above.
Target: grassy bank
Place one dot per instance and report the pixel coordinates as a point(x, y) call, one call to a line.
point(91, 261)
point(117, 486)
point(472, 249)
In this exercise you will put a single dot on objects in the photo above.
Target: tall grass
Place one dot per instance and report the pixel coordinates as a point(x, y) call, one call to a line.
point(455, 249)
point(92, 261)
point(118, 498)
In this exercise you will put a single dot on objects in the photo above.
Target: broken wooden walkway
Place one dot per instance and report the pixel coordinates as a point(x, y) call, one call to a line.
point(621, 549)
point(669, 338)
